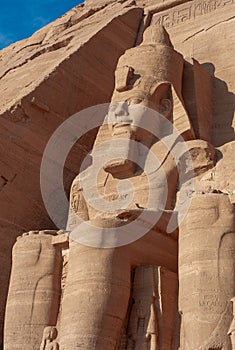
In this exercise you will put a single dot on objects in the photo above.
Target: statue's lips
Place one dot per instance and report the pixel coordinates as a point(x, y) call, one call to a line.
point(127, 130)
point(132, 132)
point(123, 124)
point(123, 130)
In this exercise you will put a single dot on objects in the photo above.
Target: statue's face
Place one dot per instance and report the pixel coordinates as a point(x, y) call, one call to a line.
point(137, 101)
point(138, 112)
point(135, 115)
point(130, 117)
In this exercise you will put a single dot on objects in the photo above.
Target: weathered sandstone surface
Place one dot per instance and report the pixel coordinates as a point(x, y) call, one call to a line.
point(64, 295)
point(44, 80)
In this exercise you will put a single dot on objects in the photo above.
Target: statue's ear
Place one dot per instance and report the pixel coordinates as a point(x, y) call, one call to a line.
point(162, 95)
point(165, 107)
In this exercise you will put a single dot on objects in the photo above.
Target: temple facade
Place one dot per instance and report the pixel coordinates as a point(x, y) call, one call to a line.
point(117, 185)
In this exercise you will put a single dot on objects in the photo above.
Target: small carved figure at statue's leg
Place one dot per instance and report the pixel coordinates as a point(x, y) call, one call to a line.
point(151, 334)
point(231, 331)
point(48, 340)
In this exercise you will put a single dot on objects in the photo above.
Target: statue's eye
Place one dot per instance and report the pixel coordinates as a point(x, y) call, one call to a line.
point(113, 106)
point(136, 101)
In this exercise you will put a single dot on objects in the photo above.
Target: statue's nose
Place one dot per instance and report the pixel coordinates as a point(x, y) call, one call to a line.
point(121, 110)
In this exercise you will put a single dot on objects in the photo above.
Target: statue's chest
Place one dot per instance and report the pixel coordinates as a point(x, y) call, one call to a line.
point(112, 195)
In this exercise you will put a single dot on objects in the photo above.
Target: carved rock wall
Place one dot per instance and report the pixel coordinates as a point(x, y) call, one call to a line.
point(204, 30)
point(44, 80)
point(69, 65)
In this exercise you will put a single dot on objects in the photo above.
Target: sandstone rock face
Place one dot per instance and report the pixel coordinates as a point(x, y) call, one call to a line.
point(104, 284)
point(193, 27)
point(44, 80)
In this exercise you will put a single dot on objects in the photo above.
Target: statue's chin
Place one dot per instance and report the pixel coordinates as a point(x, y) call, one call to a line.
point(125, 165)
point(120, 167)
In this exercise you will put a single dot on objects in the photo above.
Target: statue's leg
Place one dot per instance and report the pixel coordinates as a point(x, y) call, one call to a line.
point(34, 291)
point(97, 290)
point(206, 272)
point(95, 299)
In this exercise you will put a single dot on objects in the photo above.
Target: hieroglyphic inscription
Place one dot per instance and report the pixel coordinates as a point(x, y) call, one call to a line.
point(188, 12)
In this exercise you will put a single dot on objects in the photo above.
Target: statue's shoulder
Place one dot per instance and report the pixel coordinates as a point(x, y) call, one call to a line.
point(77, 181)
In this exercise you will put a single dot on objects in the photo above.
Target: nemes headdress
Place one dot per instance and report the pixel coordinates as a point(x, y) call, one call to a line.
point(153, 63)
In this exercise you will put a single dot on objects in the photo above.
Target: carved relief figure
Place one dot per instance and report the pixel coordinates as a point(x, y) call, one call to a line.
point(48, 340)
point(231, 331)
point(142, 329)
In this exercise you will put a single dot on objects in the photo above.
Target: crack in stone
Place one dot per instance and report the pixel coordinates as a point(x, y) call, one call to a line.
point(193, 35)
point(216, 24)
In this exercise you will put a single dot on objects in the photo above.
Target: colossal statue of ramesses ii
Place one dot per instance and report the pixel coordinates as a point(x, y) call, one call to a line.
point(119, 289)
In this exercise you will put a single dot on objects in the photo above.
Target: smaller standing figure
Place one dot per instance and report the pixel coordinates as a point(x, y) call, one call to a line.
point(152, 333)
point(231, 331)
point(48, 340)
